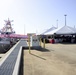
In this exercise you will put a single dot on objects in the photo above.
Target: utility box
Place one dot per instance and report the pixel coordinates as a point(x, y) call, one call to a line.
point(34, 41)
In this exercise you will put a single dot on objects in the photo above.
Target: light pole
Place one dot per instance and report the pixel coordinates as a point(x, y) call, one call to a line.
point(24, 29)
point(65, 19)
point(57, 23)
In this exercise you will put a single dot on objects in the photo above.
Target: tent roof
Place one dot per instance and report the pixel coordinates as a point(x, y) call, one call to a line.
point(62, 30)
point(48, 30)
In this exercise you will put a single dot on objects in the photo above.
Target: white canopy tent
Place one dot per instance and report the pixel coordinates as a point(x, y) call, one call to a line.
point(63, 30)
point(48, 30)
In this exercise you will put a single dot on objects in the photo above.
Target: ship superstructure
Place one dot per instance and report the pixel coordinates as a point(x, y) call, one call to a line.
point(5, 41)
point(7, 29)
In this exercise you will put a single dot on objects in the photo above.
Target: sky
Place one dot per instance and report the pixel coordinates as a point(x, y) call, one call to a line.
point(33, 16)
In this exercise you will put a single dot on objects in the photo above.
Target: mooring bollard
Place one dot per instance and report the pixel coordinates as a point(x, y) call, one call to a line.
point(44, 44)
point(29, 45)
point(40, 41)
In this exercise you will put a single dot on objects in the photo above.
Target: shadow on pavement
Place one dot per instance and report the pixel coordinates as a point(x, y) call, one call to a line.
point(68, 43)
point(39, 48)
point(37, 56)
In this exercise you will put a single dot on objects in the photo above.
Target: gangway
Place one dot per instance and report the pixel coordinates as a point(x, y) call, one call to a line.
point(10, 65)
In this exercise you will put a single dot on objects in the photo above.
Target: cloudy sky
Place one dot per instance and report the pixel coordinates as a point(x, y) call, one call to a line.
point(30, 16)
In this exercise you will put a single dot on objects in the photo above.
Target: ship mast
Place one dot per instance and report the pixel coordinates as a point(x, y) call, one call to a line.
point(7, 28)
